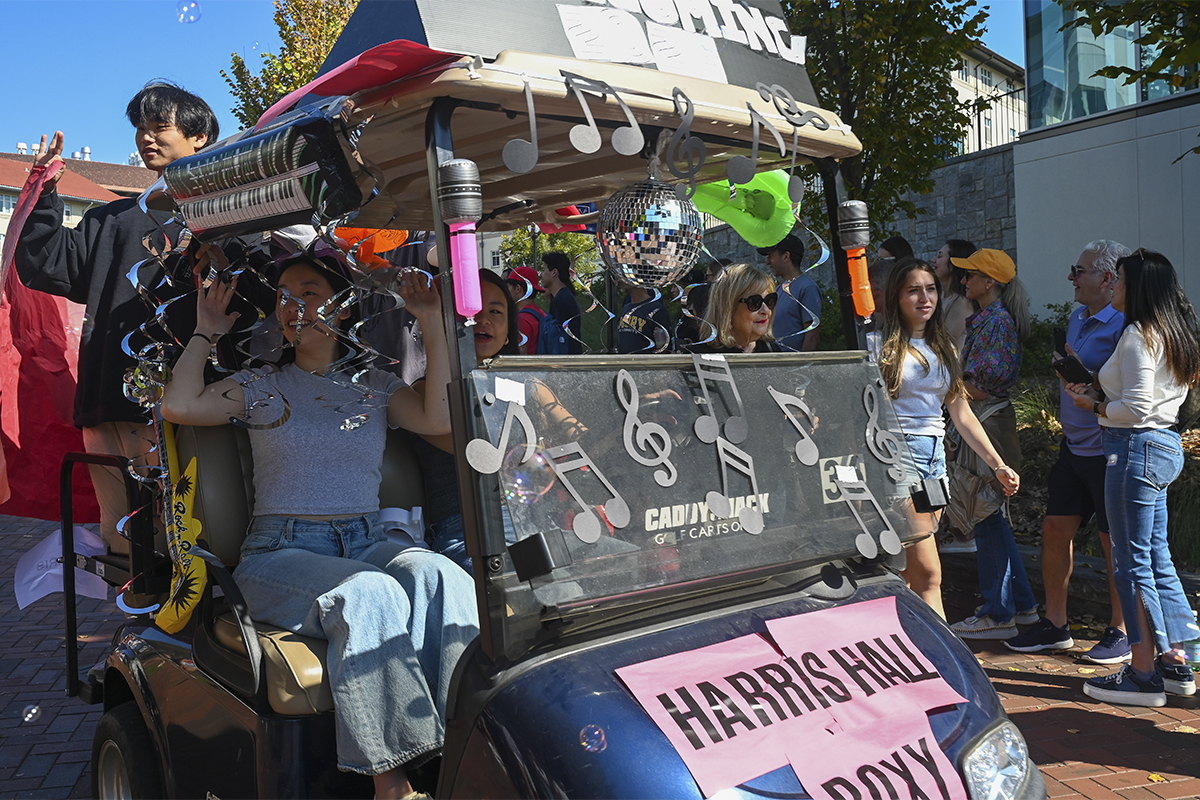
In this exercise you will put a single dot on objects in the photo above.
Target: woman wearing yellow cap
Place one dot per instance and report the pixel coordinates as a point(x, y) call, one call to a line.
point(991, 360)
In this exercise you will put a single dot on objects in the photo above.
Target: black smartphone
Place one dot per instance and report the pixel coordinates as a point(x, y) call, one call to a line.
point(1072, 370)
point(1060, 340)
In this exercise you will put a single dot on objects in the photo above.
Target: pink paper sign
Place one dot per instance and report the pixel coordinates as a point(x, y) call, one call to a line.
point(899, 759)
point(737, 709)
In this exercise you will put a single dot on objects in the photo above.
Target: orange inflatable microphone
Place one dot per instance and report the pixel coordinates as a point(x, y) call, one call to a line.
point(854, 231)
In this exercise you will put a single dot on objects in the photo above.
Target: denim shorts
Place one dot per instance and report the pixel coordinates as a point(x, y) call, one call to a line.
point(929, 455)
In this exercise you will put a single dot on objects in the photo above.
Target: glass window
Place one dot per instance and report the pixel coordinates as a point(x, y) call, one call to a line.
point(985, 76)
point(963, 70)
point(67, 210)
point(1062, 66)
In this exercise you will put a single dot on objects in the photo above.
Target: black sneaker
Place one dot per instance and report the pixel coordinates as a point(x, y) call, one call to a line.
point(1044, 635)
point(1176, 678)
point(1113, 648)
point(1124, 689)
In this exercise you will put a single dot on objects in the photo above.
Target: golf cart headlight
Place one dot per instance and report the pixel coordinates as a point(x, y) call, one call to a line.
point(995, 768)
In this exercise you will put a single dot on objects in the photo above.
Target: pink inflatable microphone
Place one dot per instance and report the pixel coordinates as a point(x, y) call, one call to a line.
point(460, 198)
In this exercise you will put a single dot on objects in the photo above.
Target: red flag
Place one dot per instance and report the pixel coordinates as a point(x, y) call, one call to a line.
point(39, 354)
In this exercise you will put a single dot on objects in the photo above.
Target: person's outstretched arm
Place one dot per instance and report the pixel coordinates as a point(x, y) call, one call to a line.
point(187, 401)
point(977, 439)
point(408, 409)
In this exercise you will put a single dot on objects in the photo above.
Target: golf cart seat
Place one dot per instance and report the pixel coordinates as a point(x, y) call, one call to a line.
point(293, 679)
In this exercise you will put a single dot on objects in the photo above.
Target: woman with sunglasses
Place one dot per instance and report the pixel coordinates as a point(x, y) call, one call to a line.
point(1137, 397)
point(740, 305)
point(921, 371)
point(991, 361)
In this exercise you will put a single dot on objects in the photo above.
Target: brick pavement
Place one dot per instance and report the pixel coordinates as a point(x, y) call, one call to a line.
point(1085, 749)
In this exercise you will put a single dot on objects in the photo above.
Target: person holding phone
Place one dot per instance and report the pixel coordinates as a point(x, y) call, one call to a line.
point(1076, 481)
point(1141, 388)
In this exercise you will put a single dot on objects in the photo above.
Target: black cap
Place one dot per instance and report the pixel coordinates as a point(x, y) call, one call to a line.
point(790, 244)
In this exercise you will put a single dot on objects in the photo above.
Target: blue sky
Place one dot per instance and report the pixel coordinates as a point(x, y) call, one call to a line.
point(74, 64)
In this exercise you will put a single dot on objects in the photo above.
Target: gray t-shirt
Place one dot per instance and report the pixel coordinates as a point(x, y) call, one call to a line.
point(919, 406)
point(326, 456)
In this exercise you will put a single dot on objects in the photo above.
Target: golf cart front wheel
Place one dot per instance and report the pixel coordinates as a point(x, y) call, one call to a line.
point(124, 766)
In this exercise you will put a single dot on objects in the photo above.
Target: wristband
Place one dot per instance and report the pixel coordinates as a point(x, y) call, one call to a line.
point(1096, 409)
point(202, 336)
point(999, 467)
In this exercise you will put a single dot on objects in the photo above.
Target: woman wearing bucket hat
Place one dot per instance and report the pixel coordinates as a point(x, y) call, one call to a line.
point(991, 360)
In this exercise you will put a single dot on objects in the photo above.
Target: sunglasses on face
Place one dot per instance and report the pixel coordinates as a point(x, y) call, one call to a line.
point(756, 301)
point(1077, 270)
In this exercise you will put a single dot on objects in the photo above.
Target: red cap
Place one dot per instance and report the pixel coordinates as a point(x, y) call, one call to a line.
point(528, 273)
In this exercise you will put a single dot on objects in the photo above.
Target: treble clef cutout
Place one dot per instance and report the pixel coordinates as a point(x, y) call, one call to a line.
point(882, 443)
point(519, 155)
point(685, 148)
point(586, 524)
point(713, 368)
point(486, 458)
point(627, 140)
point(642, 437)
point(720, 503)
point(741, 169)
point(806, 449)
point(854, 490)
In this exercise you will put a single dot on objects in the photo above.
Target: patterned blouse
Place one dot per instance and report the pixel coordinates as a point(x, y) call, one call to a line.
point(991, 354)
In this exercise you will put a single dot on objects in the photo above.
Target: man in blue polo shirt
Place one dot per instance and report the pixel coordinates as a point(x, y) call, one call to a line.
point(799, 297)
point(1076, 480)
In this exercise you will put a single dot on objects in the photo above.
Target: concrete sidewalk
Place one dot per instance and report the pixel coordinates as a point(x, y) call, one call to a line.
point(1085, 749)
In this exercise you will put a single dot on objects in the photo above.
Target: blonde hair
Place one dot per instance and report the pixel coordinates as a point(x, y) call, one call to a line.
point(737, 281)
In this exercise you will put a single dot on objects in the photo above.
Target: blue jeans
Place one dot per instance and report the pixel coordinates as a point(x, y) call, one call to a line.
point(1142, 462)
point(396, 619)
point(1002, 579)
point(929, 455)
point(448, 537)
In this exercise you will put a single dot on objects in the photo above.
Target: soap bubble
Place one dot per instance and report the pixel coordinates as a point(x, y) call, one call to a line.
point(188, 11)
point(525, 482)
point(32, 713)
point(593, 739)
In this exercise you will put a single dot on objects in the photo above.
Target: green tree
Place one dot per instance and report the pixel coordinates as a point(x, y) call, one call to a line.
point(307, 30)
point(1169, 34)
point(885, 67)
point(516, 249)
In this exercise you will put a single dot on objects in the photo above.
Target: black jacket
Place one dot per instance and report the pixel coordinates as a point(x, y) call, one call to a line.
point(90, 265)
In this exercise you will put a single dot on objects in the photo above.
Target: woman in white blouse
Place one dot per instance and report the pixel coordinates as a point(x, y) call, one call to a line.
point(1137, 396)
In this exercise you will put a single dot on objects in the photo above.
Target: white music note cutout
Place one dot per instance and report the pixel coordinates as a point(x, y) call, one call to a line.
point(719, 502)
point(806, 449)
point(486, 458)
point(740, 169)
point(715, 369)
point(586, 524)
point(627, 140)
point(640, 436)
point(520, 155)
point(854, 490)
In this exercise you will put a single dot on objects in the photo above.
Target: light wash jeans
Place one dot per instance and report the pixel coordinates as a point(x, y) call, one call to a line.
point(448, 536)
point(396, 619)
point(1002, 579)
point(1141, 463)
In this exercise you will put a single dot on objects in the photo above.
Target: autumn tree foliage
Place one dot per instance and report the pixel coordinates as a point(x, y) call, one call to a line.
point(307, 30)
point(885, 68)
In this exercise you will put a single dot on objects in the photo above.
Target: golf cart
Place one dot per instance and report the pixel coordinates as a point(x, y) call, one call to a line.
point(702, 596)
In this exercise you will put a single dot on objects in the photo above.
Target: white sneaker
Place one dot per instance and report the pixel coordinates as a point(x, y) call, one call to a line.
point(984, 628)
point(1029, 617)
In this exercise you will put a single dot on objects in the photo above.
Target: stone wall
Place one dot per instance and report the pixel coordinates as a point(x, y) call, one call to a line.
point(974, 198)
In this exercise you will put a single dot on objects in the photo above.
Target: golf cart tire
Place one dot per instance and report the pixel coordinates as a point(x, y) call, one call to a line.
point(124, 761)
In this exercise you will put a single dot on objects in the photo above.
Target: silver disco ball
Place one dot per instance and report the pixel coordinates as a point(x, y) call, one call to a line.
point(648, 236)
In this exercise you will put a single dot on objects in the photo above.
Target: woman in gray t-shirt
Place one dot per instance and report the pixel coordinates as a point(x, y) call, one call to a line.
point(316, 560)
point(921, 371)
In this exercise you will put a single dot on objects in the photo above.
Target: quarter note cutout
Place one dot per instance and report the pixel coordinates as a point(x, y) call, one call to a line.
point(644, 437)
point(627, 140)
point(740, 169)
point(720, 503)
point(806, 449)
point(586, 524)
point(685, 148)
point(854, 491)
point(882, 443)
point(485, 457)
point(715, 369)
point(519, 155)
